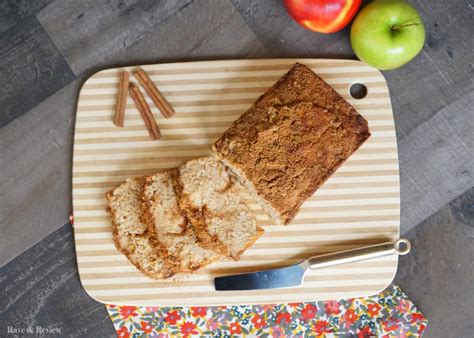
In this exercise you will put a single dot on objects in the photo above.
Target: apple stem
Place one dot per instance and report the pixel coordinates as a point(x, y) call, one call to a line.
point(405, 25)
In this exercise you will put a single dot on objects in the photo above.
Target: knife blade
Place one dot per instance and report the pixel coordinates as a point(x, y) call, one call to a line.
point(292, 276)
point(269, 279)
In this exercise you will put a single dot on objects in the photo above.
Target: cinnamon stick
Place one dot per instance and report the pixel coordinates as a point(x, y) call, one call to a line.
point(145, 111)
point(124, 79)
point(163, 105)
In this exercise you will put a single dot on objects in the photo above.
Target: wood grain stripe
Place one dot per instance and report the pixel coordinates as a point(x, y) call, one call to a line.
point(371, 266)
point(255, 91)
point(217, 297)
point(198, 283)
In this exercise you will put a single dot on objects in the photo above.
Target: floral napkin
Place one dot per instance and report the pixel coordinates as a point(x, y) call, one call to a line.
point(387, 314)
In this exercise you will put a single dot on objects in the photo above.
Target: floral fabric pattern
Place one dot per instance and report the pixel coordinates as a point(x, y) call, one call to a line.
point(387, 314)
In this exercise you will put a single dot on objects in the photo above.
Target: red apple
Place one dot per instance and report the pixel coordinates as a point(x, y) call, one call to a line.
point(324, 16)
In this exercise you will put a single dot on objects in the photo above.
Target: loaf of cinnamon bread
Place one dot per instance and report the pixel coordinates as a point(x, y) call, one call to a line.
point(290, 141)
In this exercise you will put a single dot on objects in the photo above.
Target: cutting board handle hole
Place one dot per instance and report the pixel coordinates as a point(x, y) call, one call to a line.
point(358, 91)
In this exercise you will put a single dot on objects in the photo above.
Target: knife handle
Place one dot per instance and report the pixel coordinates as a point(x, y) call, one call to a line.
point(400, 247)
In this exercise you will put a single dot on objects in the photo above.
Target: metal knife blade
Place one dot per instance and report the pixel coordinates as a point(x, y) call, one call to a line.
point(266, 279)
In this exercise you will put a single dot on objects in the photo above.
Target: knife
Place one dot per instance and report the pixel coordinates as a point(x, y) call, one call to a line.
point(293, 275)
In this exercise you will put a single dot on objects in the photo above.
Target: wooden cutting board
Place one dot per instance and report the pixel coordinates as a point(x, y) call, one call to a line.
point(359, 205)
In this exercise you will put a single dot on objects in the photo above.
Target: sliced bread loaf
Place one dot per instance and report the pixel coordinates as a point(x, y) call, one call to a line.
point(130, 233)
point(291, 140)
point(166, 222)
point(214, 204)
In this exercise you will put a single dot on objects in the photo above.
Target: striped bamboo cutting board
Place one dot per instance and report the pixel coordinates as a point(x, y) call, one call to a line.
point(359, 205)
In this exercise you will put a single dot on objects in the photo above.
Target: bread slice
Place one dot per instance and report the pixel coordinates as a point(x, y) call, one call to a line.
point(130, 234)
point(214, 203)
point(165, 222)
point(183, 249)
point(160, 204)
point(290, 141)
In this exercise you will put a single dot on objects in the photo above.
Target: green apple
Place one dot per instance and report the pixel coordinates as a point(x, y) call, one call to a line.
point(386, 34)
